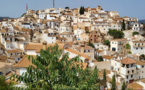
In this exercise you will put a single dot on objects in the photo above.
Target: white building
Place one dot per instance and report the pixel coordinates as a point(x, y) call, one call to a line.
point(118, 45)
point(137, 47)
point(137, 27)
point(78, 33)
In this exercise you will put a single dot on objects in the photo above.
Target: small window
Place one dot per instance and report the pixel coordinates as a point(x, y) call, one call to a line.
point(132, 71)
point(127, 77)
point(141, 48)
point(131, 76)
point(128, 72)
point(142, 66)
point(136, 48)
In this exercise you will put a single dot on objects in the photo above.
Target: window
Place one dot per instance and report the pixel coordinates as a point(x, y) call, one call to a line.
point(136, 48)
point(141, 48)
point(131, 76)
point(127, 77)
point(1, 73)
point(142, 66)
point(128, 72)
point(132, 71)
point(113, 49)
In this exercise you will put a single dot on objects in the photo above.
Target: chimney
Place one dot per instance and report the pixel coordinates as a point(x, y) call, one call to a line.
point(44, 45)
point(82, 48)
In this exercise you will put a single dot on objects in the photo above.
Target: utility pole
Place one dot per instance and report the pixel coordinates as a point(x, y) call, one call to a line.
point(53, 4)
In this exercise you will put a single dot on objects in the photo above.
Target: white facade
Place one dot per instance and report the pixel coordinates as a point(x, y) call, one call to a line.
point(78, 33)
point(137, 27)
point(49, 39)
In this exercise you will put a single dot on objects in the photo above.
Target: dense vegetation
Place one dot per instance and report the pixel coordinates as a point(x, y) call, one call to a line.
point(91, 44)
point(123, 25)
point(107, 42)
point(135, 33)
point(100, 58)
point(82, 10)
point(49, 72)
point(116, 34)
point(4, 85)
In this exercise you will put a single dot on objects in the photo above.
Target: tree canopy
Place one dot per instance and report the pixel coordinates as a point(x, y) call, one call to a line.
point(82, 10)
point(116, 34)
point(135, 33)
point(123, 86)
point(4, 85)
point(123, 25)
point(91, 44)
point(113, 82)
point(53, 70)
point(107, 42)
point(100, 58)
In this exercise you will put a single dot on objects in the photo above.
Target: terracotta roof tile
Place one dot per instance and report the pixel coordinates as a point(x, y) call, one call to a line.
point(127, 61)
point(135, 86)
point(24, 63)
point(78, 53)
point(39, 46)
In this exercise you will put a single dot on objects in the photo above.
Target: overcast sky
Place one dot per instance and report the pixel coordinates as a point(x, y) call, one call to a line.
point(131, 8)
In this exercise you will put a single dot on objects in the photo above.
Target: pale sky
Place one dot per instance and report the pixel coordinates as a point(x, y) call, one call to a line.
point(131, 8)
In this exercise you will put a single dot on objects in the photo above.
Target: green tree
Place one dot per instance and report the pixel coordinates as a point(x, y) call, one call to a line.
point(142, 57)
point(135, 33)
point(100, 58)
point(123, 86)
point(116, 34)
point(49, 72)
point(113, 82)
point(107, 42)
point(128, 47)
point(104, 75)
point(123, 25)
point(82, 10)
point(91, 44)
point(4, 85)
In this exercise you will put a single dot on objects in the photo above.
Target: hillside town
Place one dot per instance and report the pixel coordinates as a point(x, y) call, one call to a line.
point(102, 39)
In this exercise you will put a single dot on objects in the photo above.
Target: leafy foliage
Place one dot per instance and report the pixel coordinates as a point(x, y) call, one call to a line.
point(123, 25)
point(52, 72)
point(142, 56)
point(104, 75)
point(4, 85)
point(116, 34)
point(100, 58)
point(91, 44)
point(113, 82)
point(128, 46)
point(107, 42)
point(123, 86)
point(135, 33)
point(82, 10)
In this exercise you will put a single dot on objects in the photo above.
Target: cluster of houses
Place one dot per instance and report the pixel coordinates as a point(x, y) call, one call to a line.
point(36, 30)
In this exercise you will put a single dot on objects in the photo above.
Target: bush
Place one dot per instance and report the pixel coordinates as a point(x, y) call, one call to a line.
point(107, 42)
point(100, 58)
point(130, 52)
point(135, 33)
point(116, 34)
